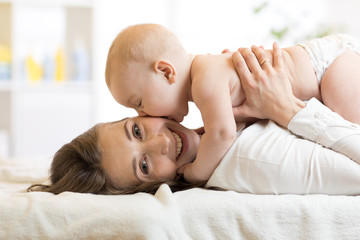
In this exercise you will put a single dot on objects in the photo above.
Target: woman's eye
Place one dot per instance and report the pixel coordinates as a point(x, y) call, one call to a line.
point(136, 131)
point(144, 166)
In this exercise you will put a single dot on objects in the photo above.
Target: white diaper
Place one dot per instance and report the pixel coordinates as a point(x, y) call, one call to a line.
point(323, 51)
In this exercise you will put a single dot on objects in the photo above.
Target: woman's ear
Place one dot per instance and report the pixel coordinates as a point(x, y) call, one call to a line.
point(167, 68)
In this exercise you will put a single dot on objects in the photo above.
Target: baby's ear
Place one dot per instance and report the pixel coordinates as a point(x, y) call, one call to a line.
point(167, 68)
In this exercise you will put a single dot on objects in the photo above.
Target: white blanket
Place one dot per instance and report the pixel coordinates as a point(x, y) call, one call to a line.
point(192, 214)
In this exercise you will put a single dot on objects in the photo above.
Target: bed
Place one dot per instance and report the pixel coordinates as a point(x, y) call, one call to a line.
point(190, 214)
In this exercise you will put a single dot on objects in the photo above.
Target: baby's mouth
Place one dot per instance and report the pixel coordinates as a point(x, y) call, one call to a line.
point(179, 144)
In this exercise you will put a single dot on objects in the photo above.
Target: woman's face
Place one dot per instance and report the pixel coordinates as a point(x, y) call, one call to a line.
point(144, 149)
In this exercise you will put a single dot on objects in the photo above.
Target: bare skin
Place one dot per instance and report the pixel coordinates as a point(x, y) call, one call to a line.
point(340, 86)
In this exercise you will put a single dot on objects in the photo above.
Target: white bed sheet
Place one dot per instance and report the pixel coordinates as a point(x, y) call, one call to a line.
point(191, 214)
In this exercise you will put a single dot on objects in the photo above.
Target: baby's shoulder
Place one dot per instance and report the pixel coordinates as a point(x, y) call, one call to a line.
point(203, 61)
point(208, 66)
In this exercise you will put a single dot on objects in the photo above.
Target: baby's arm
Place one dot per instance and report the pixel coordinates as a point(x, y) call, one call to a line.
point(211, 94)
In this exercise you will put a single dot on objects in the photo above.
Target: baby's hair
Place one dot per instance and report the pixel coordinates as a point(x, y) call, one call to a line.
point(76, 167)
point(142, 43)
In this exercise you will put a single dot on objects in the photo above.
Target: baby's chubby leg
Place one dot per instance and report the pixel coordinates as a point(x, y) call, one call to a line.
point(340, 86)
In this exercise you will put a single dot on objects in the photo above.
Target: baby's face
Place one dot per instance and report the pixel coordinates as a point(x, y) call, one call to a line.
point(144, 149)
point(148, 92)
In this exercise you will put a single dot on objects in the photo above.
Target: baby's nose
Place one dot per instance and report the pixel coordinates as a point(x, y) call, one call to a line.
point(176, 118)
point(141, 113)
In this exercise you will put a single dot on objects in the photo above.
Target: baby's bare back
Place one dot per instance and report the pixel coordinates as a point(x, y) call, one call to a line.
point(218, 68)
point(301, 72)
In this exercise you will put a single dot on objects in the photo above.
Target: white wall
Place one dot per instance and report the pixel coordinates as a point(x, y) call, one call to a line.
point(110, 17)
point(209, 26)
point(345, 15)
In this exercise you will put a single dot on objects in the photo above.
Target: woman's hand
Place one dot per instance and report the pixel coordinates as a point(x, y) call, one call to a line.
point(267, 88)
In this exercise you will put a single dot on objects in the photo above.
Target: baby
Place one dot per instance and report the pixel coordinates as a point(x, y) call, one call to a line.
point(148, 69)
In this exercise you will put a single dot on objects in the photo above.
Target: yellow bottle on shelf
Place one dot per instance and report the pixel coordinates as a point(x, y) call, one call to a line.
point(5, 61)
point(60, 65)
point(34, 70)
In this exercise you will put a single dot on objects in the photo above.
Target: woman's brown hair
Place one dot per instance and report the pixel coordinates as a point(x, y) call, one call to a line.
point(76, 167)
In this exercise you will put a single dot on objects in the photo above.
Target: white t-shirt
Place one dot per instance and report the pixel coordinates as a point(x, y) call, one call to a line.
point(315, 155)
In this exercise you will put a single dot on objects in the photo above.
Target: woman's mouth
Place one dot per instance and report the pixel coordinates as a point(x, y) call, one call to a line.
point(179, 144)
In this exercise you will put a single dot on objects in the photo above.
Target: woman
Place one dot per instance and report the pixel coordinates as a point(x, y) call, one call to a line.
point(139, 154)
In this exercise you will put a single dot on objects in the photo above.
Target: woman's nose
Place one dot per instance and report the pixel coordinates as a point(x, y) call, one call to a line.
point(159, 144)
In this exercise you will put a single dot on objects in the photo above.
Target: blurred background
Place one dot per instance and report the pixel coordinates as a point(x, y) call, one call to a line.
point(53, 54)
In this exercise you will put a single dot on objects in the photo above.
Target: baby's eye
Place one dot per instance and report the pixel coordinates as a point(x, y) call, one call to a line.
point(137, 131)
point(140, 104)
point(144, 166)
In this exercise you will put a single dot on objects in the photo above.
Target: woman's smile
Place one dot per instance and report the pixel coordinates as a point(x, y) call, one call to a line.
point(181, 147)
point(178, 144)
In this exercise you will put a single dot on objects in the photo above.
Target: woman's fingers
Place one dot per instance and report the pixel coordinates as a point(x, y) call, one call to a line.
point(261, 57)
point(250, 59)
point(277, 55)
point(241, 66)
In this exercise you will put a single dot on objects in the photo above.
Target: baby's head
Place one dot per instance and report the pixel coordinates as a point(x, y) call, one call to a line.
point(144, 71)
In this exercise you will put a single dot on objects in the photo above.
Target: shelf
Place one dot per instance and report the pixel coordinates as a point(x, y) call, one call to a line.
point(46, 86)
point(5, 85)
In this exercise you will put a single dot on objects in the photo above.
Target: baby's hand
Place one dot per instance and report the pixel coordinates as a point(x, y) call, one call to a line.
point(226, 50)
point(188, 173)
point(200, 130)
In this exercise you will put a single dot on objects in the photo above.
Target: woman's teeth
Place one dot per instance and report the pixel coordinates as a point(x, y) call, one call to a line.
point(179, 144)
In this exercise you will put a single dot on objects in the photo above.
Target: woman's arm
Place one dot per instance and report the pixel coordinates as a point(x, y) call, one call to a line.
point(319, 124)
point(269, 95)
